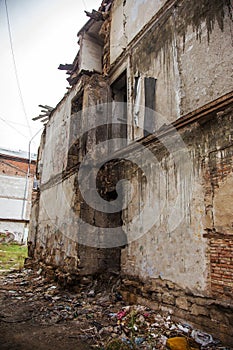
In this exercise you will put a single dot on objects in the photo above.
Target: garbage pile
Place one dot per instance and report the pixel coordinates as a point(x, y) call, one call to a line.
point(142, 328)
point(100, 317)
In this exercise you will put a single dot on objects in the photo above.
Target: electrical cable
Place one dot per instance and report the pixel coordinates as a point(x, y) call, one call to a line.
point(15, 69)
point(4, 121)
point(7, 123)
point(84, 4)
point(12, 122)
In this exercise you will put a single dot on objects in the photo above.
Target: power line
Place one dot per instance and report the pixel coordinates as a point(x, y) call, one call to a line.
point(84, 3)
point(15, 69)
point(7, 123)
point(12, 122)
point(4, 121)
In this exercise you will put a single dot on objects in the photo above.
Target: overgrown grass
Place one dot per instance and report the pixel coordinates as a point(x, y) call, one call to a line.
point(12, 256)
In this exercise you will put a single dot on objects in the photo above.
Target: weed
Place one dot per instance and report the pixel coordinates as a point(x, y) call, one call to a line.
point(12, 256)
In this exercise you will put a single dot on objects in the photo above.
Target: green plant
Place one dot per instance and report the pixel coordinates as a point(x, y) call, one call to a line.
point(12, 256)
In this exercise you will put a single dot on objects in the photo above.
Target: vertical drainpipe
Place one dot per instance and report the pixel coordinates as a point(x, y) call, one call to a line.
point(25, 196)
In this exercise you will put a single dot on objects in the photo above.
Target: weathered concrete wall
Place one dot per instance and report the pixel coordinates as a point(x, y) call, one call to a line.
point(60, 213)
point(187, 48)
point(53, 161)
point(194, 253)
point(173, 249)
point(197, 195)
point(128, 18)
point(33, 239)
point(91, 54)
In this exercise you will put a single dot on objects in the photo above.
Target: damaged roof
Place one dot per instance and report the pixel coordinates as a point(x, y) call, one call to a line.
point(92, 28)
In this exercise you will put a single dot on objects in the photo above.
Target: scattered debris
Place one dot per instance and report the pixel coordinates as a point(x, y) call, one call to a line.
point(47, 110)
point(66, 66)
point(201, 337)
point(96, 15)
point(94, 315)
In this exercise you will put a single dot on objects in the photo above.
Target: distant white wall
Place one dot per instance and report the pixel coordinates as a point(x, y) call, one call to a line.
point(12, 192)
point(18, 229)
point(11, 208)
point(15, 197)
point(15, 205)
point(12, 186)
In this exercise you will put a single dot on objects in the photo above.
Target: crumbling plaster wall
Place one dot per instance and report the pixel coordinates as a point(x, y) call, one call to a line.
point(90, 54)
point(45, 238)
point(176, 248)
point(61, 216)
point(54, 157)
point(187, 270)
point(173, 249)
point(128, 18)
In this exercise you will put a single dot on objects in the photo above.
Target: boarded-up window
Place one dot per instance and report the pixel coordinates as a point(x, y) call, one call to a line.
point(137, 99)
point(77, 103)
point(75, 125)
point(119, 95)
point(149, 117)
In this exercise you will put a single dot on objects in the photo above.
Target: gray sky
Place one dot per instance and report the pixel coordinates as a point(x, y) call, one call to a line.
point(44, 34)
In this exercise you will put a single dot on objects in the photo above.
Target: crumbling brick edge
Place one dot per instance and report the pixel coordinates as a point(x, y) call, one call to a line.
point(201, 312)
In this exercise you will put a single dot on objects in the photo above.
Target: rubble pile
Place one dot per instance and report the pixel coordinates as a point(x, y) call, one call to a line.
point(97, 315)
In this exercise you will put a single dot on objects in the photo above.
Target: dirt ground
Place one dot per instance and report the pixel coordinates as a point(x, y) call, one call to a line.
point(37, 314)
point(26, 320)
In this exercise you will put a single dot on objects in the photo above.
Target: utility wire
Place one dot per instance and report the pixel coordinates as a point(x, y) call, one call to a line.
point(15, 69)
point(4, 121)
point(84, 4)
point(7, 123)
point(12, 122)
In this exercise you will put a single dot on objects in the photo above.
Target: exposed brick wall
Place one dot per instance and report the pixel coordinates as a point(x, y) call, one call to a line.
point(221, 258)
point(217, 174)
point(15, 167)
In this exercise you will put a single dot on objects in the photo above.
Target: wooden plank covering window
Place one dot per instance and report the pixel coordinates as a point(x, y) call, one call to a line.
point(149, 117)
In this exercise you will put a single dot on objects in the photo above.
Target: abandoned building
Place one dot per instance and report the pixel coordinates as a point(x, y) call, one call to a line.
point(16, 184)
point(148, 116)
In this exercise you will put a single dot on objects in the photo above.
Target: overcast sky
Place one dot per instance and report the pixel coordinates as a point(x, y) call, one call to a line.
point(44, 34)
